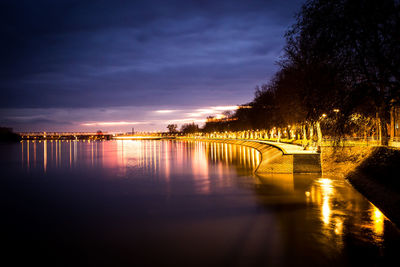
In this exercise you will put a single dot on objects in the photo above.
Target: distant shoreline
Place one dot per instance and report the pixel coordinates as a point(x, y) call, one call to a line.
point(7, 135)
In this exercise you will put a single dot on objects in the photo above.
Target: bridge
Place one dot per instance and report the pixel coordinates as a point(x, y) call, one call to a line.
point(65, 135)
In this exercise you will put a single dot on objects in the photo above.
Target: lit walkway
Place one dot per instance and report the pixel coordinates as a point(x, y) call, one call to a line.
point(287, 148)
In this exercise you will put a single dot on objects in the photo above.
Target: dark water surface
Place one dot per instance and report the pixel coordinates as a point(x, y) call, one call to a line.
point(138, 203)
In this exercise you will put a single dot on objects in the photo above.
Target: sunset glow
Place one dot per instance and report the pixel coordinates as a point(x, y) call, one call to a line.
point(112, 123)
point(157, 120)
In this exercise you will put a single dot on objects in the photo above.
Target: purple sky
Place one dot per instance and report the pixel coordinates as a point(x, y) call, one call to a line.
point(114, 65)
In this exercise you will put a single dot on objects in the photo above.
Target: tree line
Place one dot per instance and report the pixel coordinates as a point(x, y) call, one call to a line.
point(339, 74)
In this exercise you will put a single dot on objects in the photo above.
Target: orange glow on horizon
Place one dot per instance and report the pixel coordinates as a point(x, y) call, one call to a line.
point(111, 123)
point(179, 116)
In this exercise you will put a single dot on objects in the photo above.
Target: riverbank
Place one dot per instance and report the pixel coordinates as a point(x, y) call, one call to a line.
point(377, 178)
point(373, 171)
point(343, 160)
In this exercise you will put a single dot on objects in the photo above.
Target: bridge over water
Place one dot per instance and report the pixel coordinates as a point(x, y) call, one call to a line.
point(65, 135)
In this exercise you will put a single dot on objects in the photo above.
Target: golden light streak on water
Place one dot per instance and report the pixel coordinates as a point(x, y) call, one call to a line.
point(230, 154)
point(212, 152)
point(91, 143)
point(45, 155)
point(240, 155)
point(167, 163)
point(56, 146)
point(75, 151)
point(22, 153)
point(253, 158)
point(226, 153)
point(328, 195)
point(248, 157)
point(27, 154)
point(215, 151)
point(34, 154)
point(102, 153)
point(326, 210)
point(154, 160)
point(378, 220)
point(70, 154)
point(338, 226)
point(121, 155)
point(326, 186)
point(200, 169)
point(326, 191)
point(59, 153)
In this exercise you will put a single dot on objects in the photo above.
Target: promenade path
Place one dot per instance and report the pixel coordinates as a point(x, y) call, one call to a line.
point(287, 148)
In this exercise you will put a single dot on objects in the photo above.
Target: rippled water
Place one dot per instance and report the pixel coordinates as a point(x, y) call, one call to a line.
point(117, 203)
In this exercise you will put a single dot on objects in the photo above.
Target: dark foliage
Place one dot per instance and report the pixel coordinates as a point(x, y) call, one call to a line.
point(190, 128)
point(340, 55)
point(7, 135)
point(172, 128)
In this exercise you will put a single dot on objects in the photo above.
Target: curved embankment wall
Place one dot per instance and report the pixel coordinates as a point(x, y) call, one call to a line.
point(377, 178)
point(274, 159)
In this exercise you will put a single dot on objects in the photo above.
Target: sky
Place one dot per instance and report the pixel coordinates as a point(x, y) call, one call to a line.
point(93, 65)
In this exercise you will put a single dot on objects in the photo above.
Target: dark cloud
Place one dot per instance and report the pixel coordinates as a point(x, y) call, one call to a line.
point(33, 120)
point(71, 54)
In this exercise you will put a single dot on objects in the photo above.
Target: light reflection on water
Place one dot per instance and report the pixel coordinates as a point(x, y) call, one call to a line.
point(211, 188)
point(341, 212)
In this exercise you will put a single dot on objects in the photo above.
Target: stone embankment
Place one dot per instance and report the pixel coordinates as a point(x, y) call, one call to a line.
point(373, 171)
point(342, 160)
point(278, 157)
point(377, 178)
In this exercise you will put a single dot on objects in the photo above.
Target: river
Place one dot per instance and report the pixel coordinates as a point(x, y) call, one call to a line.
point(180, 203)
